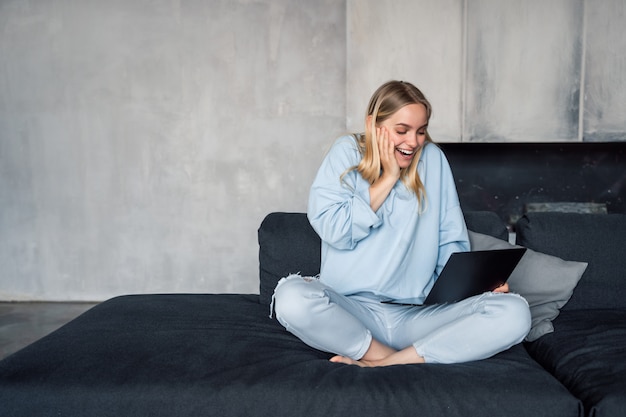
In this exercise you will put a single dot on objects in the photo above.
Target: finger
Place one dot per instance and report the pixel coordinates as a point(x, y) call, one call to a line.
point(502, 288)
point(387, 143)
point(382, 142)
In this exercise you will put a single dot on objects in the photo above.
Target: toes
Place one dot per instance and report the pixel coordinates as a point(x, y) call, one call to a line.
point(342, 359)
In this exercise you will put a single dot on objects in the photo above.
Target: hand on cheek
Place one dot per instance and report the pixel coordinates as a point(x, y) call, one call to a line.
point(387, 151)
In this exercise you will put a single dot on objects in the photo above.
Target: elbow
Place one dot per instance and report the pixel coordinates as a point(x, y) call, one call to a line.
point(334, 236)
point(338, 240)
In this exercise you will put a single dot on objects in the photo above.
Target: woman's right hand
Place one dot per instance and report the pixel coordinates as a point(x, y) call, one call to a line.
point(380, 189)
point(387, 151)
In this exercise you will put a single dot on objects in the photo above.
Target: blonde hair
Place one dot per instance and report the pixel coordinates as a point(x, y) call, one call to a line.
point(385, 101)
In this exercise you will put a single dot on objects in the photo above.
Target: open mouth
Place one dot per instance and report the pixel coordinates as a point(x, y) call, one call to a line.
point(405, 152)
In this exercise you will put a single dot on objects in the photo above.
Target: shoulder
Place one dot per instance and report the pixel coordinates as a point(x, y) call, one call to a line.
point(433, 151)
point(347, 142)
point(433, 166)
point(433, 155)
point(345, 147)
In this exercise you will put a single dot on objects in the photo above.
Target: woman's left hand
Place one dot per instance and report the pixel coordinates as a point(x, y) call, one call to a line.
point(502, 288)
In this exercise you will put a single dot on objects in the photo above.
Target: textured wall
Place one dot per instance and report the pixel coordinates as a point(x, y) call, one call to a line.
point(142, 142)
point(521, 71)
point(605, 71)
point(419, 41)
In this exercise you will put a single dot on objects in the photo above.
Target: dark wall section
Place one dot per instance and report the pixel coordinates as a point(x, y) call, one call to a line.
point(505, 177)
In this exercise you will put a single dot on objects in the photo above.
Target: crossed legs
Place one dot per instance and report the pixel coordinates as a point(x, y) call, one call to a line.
point(367, 333)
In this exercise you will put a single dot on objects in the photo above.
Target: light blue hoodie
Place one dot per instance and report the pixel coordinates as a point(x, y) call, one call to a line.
point(396, 252)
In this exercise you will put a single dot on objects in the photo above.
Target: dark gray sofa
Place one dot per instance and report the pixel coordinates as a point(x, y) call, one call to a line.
point(221, 355)
point(587, 350)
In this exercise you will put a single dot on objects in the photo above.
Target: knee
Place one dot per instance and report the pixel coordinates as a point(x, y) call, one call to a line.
point(293, 298)
point(513, 316)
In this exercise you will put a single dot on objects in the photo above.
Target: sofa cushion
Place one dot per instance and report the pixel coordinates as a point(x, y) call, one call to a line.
point(220, 355)
point(486, 223)
point(587, 354)
point(288, 244)
point(545, 281)
point(598, 239)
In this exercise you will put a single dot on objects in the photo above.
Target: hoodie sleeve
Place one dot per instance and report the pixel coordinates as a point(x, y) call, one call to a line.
point(339, 208)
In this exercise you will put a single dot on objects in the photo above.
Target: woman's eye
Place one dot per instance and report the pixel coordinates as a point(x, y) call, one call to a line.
point(421, 132)
point(401, 132)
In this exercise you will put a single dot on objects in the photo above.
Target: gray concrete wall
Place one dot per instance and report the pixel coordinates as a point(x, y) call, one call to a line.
point(523, 70)
point(604, 115)
point(142, 142)
point(497, 70)
point(418, 41)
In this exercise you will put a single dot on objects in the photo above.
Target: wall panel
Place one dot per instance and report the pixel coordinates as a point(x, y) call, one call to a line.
point(417, 41)
point(605, 71)
point(523, 70)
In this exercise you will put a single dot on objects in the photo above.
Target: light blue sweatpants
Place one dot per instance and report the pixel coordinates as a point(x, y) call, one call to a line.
point(472, 329)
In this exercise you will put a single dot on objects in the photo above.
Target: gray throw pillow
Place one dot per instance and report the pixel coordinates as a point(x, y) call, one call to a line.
point(545, 281)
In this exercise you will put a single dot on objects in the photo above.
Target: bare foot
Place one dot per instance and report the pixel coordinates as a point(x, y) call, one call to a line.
point(402, 357)
point(349, 361)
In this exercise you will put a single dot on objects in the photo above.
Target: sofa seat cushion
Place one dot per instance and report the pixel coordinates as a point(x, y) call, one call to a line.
point(587, 353)
point(221, 355)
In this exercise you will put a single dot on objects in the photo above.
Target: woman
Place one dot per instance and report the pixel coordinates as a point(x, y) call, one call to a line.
point(385, 206)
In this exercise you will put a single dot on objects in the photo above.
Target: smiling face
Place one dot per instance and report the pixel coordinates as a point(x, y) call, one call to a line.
point(407, 129)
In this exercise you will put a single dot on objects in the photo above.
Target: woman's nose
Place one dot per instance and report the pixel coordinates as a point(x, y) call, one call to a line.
point(412, 140)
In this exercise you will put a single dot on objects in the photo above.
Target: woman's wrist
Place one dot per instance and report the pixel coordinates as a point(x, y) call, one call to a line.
point(380, 189)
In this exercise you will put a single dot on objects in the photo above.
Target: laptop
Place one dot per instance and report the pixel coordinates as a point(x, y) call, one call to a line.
point(467, 274)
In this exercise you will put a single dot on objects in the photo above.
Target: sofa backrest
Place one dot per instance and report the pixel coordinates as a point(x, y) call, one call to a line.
point(288, 244)
point(505, 177)
point(599, 239)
